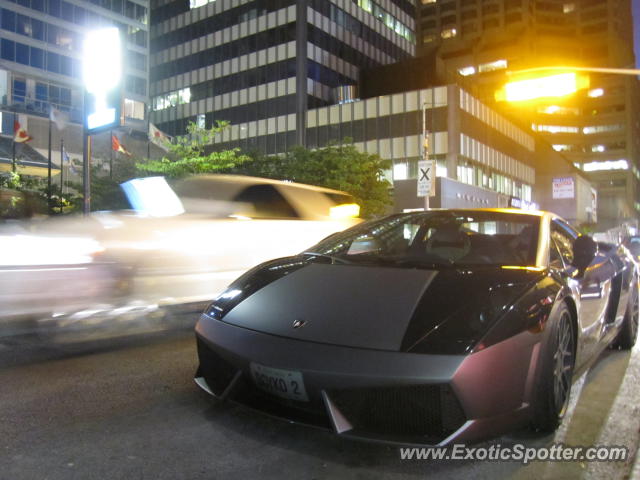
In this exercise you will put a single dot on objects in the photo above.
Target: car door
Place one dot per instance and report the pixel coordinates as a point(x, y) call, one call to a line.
point(592, 290)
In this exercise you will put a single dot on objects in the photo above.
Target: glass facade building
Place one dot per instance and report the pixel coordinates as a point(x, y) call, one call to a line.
point(262, 64)
point(41, 48)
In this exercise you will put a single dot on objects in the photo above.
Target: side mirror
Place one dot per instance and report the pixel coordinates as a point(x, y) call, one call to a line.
point(584, 251)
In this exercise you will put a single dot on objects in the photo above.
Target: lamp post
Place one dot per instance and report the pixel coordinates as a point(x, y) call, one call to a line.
point(102, 106)
point(426, 167)
point(561, 80)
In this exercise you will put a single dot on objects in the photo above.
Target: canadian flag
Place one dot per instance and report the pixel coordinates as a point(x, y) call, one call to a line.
point(158, 137)
point(116, 146)
point(20, 135)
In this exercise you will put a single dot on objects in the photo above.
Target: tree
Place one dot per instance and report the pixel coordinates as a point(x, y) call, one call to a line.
point(340, 166)
point(187, 156)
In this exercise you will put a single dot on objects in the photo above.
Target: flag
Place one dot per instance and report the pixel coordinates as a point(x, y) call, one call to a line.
point(59, 118)
point(116, 146)
point(158, 137)
point(20, 135)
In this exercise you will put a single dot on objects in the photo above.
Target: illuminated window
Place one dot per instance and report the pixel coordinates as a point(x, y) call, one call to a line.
point(386, 17)
point(557, 110)
point(554, 128)
point(562, 148)
point(606, 165)
point(466, 71)
point(598, 148)
point(133, 109)
point(493, 66)
point(429, 37)
point(568, 7)
point(201, 120)
point(596, 92)
point(448, 33)
point(199, 3)
point(601, 128)
point(425, 2)
point(400, 171)
point(172, 99)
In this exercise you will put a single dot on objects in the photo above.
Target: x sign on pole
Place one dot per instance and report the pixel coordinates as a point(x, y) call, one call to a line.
point(425, 178)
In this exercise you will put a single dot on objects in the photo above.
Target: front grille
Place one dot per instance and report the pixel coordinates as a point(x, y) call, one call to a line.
point(425, 412)
point(215, 369)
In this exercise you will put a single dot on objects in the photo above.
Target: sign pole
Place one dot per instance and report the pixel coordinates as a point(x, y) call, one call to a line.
point(86, 173)
point(425, 148)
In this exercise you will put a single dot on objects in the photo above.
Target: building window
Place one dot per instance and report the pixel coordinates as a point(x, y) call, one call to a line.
point(133, 109)
point(606, 165)
point(562, 148)
point(466, 71)
point(171, 99)
point(448, 33)
point(554, 128)
point(601, 129)
point(568, 7)
point(428, 38)
point(384, 16)
point(595, 92)
point(493, 66)
point(558, 110)
point(400, 171)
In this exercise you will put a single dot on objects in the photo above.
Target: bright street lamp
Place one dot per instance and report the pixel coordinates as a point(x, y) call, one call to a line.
point(561, 80)
point(102, 106)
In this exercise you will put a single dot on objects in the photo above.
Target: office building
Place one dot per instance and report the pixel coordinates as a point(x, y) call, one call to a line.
point(598, 128)
point(40, 67)
point(262, 64)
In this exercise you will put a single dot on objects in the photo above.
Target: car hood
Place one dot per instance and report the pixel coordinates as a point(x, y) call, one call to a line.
point(373, 307)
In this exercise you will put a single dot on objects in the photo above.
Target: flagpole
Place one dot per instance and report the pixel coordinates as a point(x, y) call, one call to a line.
point(111, 154)
point(86, 173)
point(13, 145)
point(49, 170)
point(61, 172)
point(148, 139)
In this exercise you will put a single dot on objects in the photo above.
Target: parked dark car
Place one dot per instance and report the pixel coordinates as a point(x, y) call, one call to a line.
point(432, 327)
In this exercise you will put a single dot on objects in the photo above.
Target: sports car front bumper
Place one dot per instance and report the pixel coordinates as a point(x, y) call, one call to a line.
point(378, 395)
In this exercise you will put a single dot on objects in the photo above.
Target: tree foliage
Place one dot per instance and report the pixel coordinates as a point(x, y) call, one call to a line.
point(188, 155)
point(340, 166)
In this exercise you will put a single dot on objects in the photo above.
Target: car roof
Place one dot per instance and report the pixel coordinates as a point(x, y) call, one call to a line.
point(248, 180)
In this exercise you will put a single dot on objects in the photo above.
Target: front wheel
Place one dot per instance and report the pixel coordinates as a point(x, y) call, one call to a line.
point(556, 373)
point(626, 339)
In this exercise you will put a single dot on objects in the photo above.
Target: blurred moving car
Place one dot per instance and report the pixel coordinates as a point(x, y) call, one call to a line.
point(633, 244)
point(438, 327)
point(219, 227)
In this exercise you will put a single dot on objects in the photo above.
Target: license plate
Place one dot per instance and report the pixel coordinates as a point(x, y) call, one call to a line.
point(282, 383)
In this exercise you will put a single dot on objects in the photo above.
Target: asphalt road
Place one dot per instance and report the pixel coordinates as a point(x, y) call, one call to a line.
point(127, 408)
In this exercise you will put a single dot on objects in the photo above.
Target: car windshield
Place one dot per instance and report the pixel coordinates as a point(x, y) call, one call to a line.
point(439, 238)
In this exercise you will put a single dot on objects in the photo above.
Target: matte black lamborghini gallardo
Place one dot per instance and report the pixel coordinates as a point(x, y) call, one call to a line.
point(430, 327)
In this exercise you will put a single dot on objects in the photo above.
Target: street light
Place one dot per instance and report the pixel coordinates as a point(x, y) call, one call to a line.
point(102, 76)
point(562, 80)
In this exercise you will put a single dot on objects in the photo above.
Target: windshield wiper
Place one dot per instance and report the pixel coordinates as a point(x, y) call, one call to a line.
point(333, 258)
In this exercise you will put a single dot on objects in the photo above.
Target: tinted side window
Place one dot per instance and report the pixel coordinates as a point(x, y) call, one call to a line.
point(555, 259)
point(564, 242)
point(267, 202)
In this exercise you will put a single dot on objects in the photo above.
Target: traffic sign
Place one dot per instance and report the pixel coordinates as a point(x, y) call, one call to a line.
point(426, 178)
